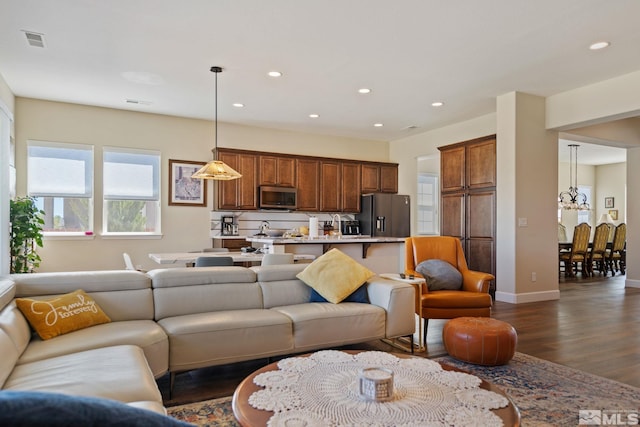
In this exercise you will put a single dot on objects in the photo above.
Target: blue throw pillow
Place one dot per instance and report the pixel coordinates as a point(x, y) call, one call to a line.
point(29, 408)
point(359, 295)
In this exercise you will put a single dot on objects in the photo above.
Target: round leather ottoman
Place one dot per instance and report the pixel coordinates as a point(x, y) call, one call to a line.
point(480, 340)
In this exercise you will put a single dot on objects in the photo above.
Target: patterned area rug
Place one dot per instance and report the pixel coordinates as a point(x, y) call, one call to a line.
point(546, 394)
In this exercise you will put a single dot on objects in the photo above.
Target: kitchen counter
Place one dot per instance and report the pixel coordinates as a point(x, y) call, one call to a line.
point(326, 241)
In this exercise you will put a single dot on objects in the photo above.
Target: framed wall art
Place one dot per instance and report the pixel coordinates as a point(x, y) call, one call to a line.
point(184, 190)
point(608, 202)
point(614, 214)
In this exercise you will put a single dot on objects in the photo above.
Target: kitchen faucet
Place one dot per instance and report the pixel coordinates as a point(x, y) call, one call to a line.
point(333, 223)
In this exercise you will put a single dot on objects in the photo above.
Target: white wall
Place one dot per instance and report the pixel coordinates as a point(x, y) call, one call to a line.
point(184, 228)
point(6, 131)
point(611, 182)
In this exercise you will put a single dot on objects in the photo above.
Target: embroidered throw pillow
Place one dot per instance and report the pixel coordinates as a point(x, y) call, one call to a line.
point(440, 275)
point(62, 314)
point(335, 275)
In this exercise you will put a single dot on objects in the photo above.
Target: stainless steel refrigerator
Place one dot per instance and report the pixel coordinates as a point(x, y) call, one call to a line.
point(385, 215)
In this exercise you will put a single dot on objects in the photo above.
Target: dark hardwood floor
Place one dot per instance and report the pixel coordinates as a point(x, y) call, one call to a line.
point(593, 327)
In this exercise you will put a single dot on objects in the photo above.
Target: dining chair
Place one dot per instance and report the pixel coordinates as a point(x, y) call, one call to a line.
point(273, 259)
point(578, 252)
point(596, 254)
point(128, 263)
point(214, 261)
point(562, 233)
point(615, 257)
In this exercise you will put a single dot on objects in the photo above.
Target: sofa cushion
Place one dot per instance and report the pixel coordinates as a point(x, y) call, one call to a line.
point(335, 275)
point(62, 314)
point(146, 334)
point(119, 373)
point(440, 275)
point(359, 295)
point(324, 325)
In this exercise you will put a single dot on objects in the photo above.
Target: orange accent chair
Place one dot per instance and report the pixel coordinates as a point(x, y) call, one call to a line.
point(472, 300)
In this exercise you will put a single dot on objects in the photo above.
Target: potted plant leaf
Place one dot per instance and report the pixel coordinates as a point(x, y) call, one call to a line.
point(26, 234)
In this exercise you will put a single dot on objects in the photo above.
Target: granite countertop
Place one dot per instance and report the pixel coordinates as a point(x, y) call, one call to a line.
point(324, 240)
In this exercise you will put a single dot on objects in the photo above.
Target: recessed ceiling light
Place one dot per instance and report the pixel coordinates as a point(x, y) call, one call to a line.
point(599, 45)
point(274, 74)
point(378, 125)
point(364, 90)
point(238, 105)
point(314, 116)
point(437, 104)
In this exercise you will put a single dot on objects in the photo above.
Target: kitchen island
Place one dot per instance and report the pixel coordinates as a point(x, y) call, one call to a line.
point(379, 254)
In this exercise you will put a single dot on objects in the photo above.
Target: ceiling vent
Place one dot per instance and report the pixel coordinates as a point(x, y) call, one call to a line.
point(34, 39)
point(138, 101)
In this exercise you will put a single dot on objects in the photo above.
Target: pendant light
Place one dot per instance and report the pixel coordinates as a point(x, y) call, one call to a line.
point(573, 199)
point(216, 169)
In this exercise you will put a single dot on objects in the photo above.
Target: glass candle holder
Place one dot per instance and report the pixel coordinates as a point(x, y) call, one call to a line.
point(376, 384)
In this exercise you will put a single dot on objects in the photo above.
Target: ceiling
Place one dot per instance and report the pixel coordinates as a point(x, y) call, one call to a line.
point(591, 154)
point(410, 53)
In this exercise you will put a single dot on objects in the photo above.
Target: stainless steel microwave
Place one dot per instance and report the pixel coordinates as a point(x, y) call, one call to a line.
point(278, 197)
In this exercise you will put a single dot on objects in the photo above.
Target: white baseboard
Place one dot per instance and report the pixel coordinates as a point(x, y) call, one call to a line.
point(527, 297)
point(630, 283)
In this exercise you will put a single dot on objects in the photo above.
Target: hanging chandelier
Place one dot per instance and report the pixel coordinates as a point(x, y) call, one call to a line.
point(216, 169)
point(573, 199)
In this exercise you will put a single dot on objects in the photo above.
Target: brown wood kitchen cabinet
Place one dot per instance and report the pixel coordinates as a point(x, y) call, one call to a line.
point(330, 186)
point(308, 184)
point(239, 193)
point(277, 170)
point(468, 199)
point(339, 187)
point(351, 187)
point(378, 178)
point(323, 184)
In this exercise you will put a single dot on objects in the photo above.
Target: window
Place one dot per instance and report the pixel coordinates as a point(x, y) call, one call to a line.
point(427, 204)
point(131, 190)
point(585, 216)
point(60, 178)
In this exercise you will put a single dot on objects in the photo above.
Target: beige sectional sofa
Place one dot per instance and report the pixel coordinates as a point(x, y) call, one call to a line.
point(181, 319)
point(116, 360)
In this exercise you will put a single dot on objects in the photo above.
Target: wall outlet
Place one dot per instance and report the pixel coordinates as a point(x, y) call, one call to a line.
point(534, 277)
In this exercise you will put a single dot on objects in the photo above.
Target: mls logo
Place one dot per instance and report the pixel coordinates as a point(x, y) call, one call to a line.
point(591, 417)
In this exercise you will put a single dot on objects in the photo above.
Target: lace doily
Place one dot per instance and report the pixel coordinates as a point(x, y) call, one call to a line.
point(322, 390)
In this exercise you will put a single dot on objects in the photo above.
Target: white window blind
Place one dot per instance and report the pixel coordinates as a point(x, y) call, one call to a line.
point(131, 174)
point(59, 169)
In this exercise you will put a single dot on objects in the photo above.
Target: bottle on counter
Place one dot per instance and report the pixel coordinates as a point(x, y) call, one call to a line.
point(328, 228)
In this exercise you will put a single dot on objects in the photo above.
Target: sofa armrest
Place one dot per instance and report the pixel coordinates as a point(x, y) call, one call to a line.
point(476, 281)
point(397, 299)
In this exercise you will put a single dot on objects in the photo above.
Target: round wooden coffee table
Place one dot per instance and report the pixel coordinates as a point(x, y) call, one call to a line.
point(248, 416)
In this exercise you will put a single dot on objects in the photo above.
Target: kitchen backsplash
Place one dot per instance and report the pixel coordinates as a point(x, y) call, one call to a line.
point(249, 221)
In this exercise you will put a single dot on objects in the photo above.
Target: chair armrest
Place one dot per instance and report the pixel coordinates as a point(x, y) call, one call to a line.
point(476, 281)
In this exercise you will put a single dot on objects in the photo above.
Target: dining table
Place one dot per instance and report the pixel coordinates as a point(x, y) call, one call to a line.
point(241, 258)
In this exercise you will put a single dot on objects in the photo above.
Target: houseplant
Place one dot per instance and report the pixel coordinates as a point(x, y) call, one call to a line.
point(26, 234)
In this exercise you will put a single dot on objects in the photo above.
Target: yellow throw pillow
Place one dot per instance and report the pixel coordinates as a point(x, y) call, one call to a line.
point(62, 314)
point(335, 275)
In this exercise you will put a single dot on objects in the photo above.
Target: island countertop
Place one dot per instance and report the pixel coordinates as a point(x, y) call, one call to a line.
point(327, 242)
point(323, 240)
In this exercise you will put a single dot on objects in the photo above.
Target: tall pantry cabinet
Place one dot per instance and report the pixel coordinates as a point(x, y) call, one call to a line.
point(468, 199)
